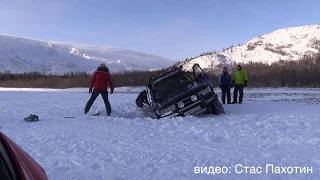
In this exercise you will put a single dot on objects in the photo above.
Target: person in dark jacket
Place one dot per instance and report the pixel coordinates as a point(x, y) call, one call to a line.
point(240, 79)
point(142, 98)
point(100, 81)
point(225, 83)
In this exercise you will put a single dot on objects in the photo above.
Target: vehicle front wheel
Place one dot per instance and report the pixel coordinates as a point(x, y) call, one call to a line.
point(216, 107)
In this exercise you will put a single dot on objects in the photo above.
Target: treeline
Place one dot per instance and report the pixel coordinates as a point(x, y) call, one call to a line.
point(70, 80)
point(302, 73)
point(37, 80)
point(132, 78)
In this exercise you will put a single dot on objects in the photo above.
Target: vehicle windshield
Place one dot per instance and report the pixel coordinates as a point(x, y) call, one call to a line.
point(168, 85)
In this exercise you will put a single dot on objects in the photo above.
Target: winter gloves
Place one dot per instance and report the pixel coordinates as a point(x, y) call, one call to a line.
point(232, 84)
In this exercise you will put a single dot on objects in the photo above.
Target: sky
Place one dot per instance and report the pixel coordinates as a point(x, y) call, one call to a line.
point(174, 29)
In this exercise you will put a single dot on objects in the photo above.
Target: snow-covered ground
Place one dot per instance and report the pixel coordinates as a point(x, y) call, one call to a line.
point(272, 126)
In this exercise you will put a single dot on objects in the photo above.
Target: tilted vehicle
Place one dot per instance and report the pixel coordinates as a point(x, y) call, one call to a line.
point(177, 92)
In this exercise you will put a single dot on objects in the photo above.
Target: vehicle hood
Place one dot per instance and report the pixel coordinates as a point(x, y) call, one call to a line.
point(185, 92)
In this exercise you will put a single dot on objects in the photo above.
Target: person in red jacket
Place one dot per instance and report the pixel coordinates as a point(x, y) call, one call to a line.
point(100, 81)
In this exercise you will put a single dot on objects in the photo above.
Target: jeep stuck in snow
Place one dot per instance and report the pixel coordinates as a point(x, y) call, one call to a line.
point(176, 92)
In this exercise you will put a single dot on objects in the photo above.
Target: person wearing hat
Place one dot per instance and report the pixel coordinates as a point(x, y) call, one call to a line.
point(225, 83)
point(240, 79)
point(100, 81)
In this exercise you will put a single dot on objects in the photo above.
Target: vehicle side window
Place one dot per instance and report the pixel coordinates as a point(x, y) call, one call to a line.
point(5, 173)
point(198, 73)
point(149, 90)
point(7, 169)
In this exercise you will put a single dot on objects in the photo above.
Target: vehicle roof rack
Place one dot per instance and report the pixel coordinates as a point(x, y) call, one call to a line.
point(165, 72)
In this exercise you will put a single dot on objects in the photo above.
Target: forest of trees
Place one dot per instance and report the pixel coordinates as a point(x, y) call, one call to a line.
point(302, 73)
point(70, 80)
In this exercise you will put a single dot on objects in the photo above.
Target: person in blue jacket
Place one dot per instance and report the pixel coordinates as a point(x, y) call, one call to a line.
point(225, 83)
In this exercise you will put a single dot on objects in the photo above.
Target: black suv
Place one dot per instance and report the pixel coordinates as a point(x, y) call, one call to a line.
point(175, 92)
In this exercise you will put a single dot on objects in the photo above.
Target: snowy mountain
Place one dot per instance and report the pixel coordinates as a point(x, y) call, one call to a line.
point(284, 44)
point(19, 55)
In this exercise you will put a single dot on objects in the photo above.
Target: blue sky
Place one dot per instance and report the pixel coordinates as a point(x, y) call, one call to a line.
point(175, 29)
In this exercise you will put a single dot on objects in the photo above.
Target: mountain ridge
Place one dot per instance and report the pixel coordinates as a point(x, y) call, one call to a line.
point(20, 55)
point(291, 43)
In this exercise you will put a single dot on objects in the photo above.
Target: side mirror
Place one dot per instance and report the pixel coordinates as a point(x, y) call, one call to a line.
point(16, 164)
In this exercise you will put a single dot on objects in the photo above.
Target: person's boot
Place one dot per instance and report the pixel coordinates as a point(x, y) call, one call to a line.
point(109, 114)
point(229, 102)
point(234, 102)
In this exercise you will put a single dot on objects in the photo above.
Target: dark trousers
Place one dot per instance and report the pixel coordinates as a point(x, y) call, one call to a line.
point(226, 91)
point(94, 95)
point(240, 88)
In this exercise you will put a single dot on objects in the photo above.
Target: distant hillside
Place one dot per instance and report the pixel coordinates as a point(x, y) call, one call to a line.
point(284, 44)
point(19, 55)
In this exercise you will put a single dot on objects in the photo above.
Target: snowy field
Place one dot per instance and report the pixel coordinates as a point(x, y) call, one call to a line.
point(272, 126)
